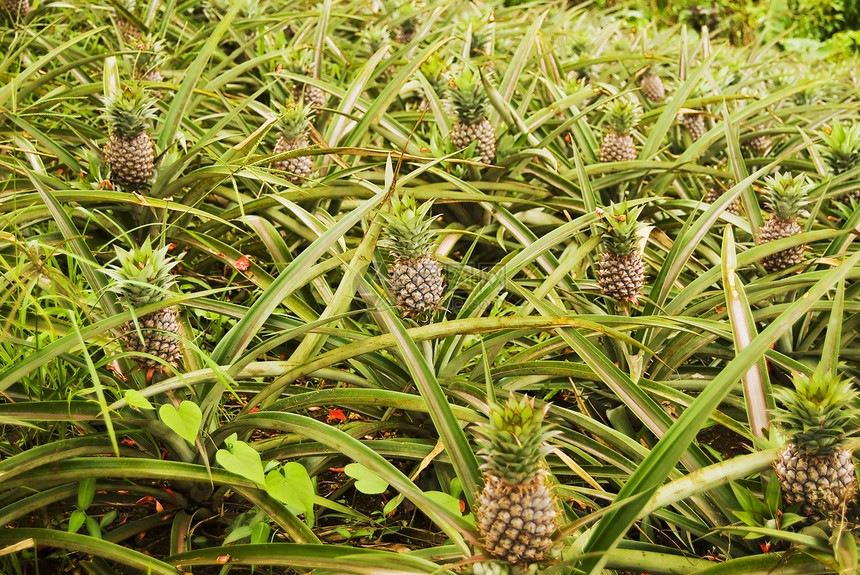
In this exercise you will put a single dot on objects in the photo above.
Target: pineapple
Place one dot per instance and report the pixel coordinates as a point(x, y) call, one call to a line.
point(841, 153)
point(786, 196)
point(294, 126)
point(415, 276)
point(299, 63)
point(617, 144)
point(652, 87)
point(143, 277)
point(694, 122)
point(129, 150)
point(815, 468)
point(715, 192)
point(148, 61)
point(760, 144)
point(16, 9)
point(469, 101)
point(128, 29)
point(621, 269)
point(516, 513)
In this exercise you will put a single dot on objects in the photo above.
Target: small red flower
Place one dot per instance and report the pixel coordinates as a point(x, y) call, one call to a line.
point(223, 559)
point(243, 263)
point(335, 415)
point(254, 410)
point(462, 506)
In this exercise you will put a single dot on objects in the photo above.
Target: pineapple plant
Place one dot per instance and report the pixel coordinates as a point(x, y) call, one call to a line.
point(785, 198)
point(415, 277)
point(617, 144)
point(143, 277)
point(15, 9)
point(694, 121)
point(621, 269)
point(294, 125)
point(129, 150)
point(841, 152)
point(470, 102)
point(653, 88)
point(298, 63)
point(715, 192)
point(516, 513)
point(815, 468)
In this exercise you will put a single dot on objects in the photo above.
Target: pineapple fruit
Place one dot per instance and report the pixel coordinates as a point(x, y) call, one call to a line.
point(312, 96)
point(653, 88)
point(469, 101)
point(617, 144)
point(516, 513)
point(841, 152)
point(143, 277)
point(149, 60)
point(785, 198)
point(129, 151)
point(15, 9)
point(621, 269)
point(294, 126)
point(760, 144)
point(815, 468)
point(715, 192)
point(694, 122)
point(415, 276)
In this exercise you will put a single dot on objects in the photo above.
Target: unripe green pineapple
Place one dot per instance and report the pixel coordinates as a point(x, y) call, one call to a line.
point(840, 151)
point(694, 122)
point(294, 126)
point(516, 512)
point(618, 145)
point(15, 9)
point(621, 269)
point(653, 88)
point(469, 101)
point(415, 276)
point(129, 150)
point(815, 468)
point(785, 198)
point(298, 62)
point(143, 277)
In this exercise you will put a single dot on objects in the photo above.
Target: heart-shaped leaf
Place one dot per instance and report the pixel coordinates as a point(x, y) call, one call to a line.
point(136, 399)
point(185, 420)
point(366, 481)
point(450, 502)
point(292, 485)
point(242, 459)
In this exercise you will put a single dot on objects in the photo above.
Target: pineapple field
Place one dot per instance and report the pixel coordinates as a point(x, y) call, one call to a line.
point(429, 287)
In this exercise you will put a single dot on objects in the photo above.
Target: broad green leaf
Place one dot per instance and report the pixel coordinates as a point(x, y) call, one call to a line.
point(86, 493)
point(76, 520)
point(366, 481)
point(241, 459)
point(184, 420)
point(447, 501)
point(137, 400)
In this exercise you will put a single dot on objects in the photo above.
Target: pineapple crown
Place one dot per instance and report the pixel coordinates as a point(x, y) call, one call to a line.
point(295, 121)
point(375, 36)
point(151, 54)
point(406, 229)
point(468, 96)
point(513, 443)
point(786, 195)
point(619, 226)
point(129, 112)
point(142, 275)
point(819, 413)
point(297, 61)
point(841, 151)
point(624, 114)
